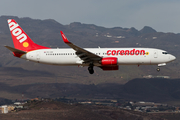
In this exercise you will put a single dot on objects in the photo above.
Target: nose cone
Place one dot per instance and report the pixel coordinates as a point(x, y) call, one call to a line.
point(172, 58)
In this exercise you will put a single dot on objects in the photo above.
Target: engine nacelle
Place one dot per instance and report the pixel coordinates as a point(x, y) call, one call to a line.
point(116, 67)
point(109, 61)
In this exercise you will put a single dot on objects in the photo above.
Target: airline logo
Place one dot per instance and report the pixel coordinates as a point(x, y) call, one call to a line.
point(127, 52)
point(64, 37)
point(17, 32)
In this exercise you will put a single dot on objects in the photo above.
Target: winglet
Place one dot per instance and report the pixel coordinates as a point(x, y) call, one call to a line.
point(64, 38)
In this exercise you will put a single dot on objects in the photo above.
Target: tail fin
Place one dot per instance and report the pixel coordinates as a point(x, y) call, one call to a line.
point(20, 39)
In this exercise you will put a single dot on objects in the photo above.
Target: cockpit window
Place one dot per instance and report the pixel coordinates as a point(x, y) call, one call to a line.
point(164, 53)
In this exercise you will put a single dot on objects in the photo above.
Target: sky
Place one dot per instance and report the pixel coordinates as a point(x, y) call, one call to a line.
point(161, 15)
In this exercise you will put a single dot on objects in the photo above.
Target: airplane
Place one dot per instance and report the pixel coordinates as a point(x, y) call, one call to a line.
point(105, 58)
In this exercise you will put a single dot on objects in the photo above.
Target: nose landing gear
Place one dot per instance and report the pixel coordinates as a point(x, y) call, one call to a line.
point(158, 69)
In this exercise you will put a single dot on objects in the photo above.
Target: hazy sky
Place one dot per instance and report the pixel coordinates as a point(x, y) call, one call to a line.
point(162, 15)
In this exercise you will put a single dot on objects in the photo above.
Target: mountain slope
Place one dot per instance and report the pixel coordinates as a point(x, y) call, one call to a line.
point(46, 33)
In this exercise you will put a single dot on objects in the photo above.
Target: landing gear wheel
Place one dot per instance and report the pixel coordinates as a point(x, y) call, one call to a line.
point(158, 69)
point(91, 70)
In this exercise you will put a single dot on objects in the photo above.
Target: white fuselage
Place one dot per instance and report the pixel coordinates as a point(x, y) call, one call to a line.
point(126, 56)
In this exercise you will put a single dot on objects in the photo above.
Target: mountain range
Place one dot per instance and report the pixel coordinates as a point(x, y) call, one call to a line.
point(46, 32)
point(17, 72)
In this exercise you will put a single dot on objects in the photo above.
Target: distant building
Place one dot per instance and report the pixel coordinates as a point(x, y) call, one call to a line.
point(154, 38)
point(4, 109)
point(11, 108)
point(167, 77)
point(150, 76)
point(85, 102)
point(120, 37)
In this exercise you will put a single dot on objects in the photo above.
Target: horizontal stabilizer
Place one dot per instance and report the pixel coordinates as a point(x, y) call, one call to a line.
point(14, 50)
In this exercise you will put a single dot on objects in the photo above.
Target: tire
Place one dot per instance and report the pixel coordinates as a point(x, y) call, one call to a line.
point(158, 69)
point(91, 71)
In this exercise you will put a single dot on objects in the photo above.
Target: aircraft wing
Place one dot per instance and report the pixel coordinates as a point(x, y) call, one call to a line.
point(83, 54)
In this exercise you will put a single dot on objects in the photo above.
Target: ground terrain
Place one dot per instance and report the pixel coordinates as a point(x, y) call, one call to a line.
point(19, 77)
point(62, 111)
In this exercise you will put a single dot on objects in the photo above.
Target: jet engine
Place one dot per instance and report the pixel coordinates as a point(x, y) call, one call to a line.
point(109, 63)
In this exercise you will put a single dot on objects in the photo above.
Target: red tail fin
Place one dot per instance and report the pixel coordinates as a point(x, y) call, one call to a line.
point(20, 39)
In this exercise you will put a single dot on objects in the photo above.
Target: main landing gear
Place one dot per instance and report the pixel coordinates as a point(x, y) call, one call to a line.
point(158, 69)
point(90, 68)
